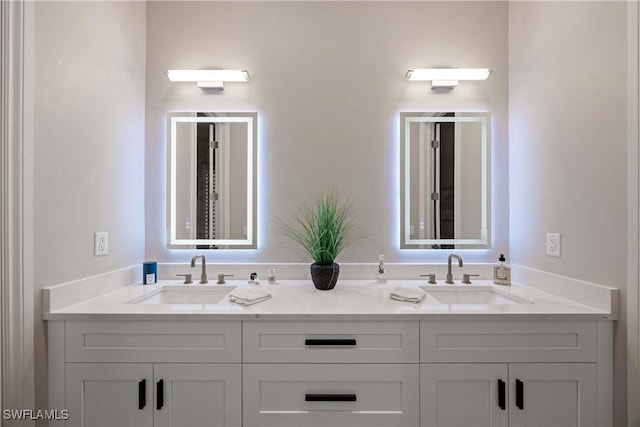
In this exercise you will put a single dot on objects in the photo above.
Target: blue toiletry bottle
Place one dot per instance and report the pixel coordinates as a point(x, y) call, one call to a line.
point(149, 273)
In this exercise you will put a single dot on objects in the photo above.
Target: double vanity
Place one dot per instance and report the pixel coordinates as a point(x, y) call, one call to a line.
point(171, 354)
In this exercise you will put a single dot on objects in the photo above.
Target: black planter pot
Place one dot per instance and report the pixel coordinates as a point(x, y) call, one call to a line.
point(324, 277)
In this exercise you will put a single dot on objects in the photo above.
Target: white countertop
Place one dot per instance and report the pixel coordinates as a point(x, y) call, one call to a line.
point(349, 300)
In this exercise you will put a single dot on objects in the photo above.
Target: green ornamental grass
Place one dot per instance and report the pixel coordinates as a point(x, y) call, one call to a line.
point(325, 228)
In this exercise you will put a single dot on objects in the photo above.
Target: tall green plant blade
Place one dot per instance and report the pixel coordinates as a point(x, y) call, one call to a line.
point(324, 229)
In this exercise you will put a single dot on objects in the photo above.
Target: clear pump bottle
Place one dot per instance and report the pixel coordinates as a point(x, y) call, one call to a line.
point(502, 272)
point(381, 276)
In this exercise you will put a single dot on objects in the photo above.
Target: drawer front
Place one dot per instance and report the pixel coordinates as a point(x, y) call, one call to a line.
point(330, 342)
point(330, 395)
point(121, 341)
point(513, 341)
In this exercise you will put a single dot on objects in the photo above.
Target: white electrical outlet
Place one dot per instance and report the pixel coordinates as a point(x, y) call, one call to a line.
point(553, 244)
point(101, 243)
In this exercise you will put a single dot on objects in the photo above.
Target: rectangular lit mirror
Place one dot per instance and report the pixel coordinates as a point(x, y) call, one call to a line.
point(212, 179)
point(445, 180)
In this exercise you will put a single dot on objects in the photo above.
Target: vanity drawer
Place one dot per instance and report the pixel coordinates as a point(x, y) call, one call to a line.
point(330, 395)
point(512, 341)
point(330, 342)
point(154, 341)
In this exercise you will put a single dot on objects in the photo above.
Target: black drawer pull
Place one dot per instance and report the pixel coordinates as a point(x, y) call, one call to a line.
point(142, 394)
point(330, 341)
point(502, 395)
point(159, 394)
point(519, 394)
point(330, 397)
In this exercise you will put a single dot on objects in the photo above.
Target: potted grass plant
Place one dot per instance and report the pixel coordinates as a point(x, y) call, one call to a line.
point(323, 229)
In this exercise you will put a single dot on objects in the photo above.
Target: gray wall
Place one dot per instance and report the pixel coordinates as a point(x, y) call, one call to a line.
point(568, 145)
point(88, 144)
point(328, 85)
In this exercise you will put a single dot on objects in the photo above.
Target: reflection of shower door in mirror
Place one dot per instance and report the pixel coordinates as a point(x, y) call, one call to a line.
point(205, 182)
point(447, 182)
point(439, 219)
point(212, 159)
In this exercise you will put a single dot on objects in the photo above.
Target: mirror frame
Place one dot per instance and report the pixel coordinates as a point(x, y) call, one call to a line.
point(406, 241)
point(251, 119)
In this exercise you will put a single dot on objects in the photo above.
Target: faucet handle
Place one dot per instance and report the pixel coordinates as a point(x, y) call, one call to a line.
point(466, 278)
point(432, 278)
point(221, 278)
point(187, 278)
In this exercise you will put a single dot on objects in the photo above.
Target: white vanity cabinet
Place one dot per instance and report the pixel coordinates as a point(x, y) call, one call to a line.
point(558, 388)
point(152, 373)
point(131, 395)
point(458, 371)
point(331, 374)
point(463, 394)
point(501, 395)
point(114, 394)
point(197, 395)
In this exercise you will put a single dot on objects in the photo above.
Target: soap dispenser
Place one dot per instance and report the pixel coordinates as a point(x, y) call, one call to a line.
point(382, 276)
point(502, 272)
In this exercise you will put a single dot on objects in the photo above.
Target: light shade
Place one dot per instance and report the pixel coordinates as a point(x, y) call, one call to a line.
point(208, 75)
point(447, 77)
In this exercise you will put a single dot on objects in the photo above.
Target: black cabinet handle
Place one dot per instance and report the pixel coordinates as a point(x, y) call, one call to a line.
point(159, 394)
point(502, 395)
point(330, 341)
point(330, 397)
point(142, 394)
point(519, 394)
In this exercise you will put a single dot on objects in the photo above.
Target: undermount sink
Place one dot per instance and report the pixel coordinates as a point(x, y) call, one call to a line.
point(472, 295)
point(190, 295)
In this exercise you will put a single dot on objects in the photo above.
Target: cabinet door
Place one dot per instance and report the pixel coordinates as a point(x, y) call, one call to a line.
point(552, 394)
point(197, 395)
point(463, 395)
point(109, 394)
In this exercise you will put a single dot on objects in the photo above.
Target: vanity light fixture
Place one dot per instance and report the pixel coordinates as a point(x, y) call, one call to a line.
point(447, 78)
point(208, 79)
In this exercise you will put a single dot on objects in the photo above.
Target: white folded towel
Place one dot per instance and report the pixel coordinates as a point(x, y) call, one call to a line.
point(401, 293)
point(248, 297)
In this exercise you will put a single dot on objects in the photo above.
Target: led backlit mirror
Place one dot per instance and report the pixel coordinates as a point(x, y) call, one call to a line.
point(212, 180)
point(445, 180)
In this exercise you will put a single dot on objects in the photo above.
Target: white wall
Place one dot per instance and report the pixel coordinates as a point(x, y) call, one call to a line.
point(88, 144)
point(568, 145)
point(327, 81)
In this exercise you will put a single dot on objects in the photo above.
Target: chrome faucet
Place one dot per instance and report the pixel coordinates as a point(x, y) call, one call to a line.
point(203, 276)
point(449, 280)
